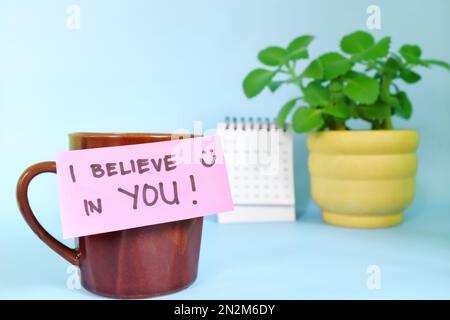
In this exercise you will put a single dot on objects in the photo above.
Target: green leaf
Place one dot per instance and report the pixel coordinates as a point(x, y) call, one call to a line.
point(353, 111)
point(315, 94)
point(306, 119)
point(412, 53)
point(272, 56)
point(335, 86)
point(378, 111)
point(352, 74)
point(334, 65)
point(439, 63)
point(297, 49)
point(256, 81)
point(362, 89)
point(339, 111)
point(357, 42)
point(378, 50)
point(284, 112)
point(409, 76)
point(393, 65)
point(404, 108)
point(410, 50)
point(274, 85)
point(314, 70)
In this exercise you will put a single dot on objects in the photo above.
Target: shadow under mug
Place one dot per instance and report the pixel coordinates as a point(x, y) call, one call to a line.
point(134, 263)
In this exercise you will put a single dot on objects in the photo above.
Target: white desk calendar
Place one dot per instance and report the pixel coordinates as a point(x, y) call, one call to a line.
point(259, 159)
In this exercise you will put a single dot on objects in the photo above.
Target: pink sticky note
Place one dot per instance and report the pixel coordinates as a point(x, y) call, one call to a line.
point(116, 188)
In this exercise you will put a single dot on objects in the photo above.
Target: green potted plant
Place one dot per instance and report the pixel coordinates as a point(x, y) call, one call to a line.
point(359, 178)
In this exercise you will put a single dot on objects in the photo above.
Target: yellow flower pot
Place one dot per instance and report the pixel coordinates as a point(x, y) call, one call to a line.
point(363, 179)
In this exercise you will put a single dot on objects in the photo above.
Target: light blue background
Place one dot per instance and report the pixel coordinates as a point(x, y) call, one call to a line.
point(161, 65)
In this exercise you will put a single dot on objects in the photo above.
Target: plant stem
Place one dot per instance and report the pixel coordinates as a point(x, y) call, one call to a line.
point(387, 123)
point(340, 125)
point(294, 76)
point(291, 71)
point(385, 85)
point(386, 96)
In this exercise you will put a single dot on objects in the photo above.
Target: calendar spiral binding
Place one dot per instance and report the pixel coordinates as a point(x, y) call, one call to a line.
point(251, 124)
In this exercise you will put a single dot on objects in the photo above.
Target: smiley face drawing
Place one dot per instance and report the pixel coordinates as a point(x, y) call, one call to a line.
point(213, 159)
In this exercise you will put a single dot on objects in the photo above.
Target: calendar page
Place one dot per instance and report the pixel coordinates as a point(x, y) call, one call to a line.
point(259, 159)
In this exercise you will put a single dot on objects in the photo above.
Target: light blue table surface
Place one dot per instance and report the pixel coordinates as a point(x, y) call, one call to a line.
point(303, 260)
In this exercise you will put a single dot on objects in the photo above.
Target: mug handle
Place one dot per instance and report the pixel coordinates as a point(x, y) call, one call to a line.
point(71, 255)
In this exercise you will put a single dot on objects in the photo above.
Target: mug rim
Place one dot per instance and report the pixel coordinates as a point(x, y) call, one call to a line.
point(121, 134)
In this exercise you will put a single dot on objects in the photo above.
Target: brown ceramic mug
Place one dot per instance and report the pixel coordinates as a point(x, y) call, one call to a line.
point(134, 263)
